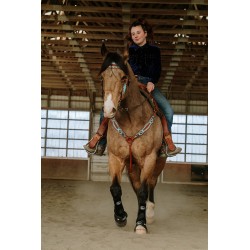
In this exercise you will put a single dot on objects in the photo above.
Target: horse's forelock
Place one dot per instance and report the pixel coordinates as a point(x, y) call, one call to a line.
point(113, 57)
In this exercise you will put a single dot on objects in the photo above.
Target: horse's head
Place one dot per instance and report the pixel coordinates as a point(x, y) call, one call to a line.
point(114, 74)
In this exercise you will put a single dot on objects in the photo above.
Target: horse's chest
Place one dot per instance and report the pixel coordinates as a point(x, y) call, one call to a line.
point(139, 147)
point(125, 140)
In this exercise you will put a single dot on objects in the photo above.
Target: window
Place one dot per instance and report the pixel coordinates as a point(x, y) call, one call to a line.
point(190, 133)
point(64, 132)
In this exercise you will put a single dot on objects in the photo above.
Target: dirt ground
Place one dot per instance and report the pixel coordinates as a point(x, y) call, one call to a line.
point(78, 215)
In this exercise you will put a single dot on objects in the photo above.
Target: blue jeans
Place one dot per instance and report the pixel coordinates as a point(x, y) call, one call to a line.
point(161, 100)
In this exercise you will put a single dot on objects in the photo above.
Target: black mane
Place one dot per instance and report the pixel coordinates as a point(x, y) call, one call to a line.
point(113, 57)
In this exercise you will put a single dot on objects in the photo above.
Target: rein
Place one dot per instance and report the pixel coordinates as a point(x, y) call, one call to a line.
point(125, 81)
point(133, 108)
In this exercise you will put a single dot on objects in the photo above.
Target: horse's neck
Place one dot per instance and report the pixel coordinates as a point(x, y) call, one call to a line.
point(135, 103)
point(134, 96)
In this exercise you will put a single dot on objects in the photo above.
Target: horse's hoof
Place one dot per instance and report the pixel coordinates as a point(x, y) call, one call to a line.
point(140, 228)
point(150, 213)
point(121, 221)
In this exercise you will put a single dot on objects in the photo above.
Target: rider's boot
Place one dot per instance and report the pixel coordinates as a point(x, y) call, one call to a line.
point(94, 146)
point(172, 150)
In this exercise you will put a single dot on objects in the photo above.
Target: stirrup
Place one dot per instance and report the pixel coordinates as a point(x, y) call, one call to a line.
point(91, 153)
point(177, 149)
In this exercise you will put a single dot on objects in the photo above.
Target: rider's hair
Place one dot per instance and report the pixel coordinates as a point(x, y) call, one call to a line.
point(146, 28)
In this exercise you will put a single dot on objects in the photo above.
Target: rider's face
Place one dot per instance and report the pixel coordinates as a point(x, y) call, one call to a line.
point(138, 35)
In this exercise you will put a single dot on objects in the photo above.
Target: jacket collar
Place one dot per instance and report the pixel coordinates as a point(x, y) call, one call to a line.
point(136, 47)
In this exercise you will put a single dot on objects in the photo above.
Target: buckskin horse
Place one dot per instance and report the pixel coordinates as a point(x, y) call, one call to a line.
point(134, 138)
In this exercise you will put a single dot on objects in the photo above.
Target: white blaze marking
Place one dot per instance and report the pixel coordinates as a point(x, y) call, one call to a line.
point(108, 104)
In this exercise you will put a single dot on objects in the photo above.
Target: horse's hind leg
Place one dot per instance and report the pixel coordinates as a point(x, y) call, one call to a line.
point(152, 183)
point(150, 213)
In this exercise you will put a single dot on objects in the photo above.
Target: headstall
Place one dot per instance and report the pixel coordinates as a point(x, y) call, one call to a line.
point(124, 81)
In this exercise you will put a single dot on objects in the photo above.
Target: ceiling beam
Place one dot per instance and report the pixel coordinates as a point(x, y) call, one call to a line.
point(116, 10)
point(113, 29)
point(119, 20)
point(201, 2)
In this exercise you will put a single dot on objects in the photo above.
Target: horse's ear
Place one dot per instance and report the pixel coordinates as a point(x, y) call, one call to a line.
point(104, 50)
point(126, 53)
point(125, 56)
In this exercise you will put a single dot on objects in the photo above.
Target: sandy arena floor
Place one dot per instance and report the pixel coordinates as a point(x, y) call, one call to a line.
point(78, 215)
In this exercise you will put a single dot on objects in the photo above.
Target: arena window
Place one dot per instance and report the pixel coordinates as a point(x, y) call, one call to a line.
point(64, 132)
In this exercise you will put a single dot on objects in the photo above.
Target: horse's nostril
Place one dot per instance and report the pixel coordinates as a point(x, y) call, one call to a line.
point(113, 110)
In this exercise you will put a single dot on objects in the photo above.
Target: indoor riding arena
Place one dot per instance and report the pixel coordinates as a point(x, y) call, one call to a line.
point(77, 208)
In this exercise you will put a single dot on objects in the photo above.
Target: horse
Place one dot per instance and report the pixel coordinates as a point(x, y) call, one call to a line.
point(134, 138)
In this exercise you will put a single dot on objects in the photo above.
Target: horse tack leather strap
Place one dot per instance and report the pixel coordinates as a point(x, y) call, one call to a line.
point(125, 81)
point(130, 139)
point(149, 97)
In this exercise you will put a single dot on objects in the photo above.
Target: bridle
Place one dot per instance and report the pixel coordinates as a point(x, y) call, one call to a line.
point(124, 81)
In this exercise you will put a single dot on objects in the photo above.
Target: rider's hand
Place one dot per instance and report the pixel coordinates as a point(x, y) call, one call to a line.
point(150, 87)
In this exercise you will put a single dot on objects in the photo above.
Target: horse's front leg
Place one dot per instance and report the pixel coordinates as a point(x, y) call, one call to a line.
point(143, 192)
point(142, 195)
point(116, 167)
